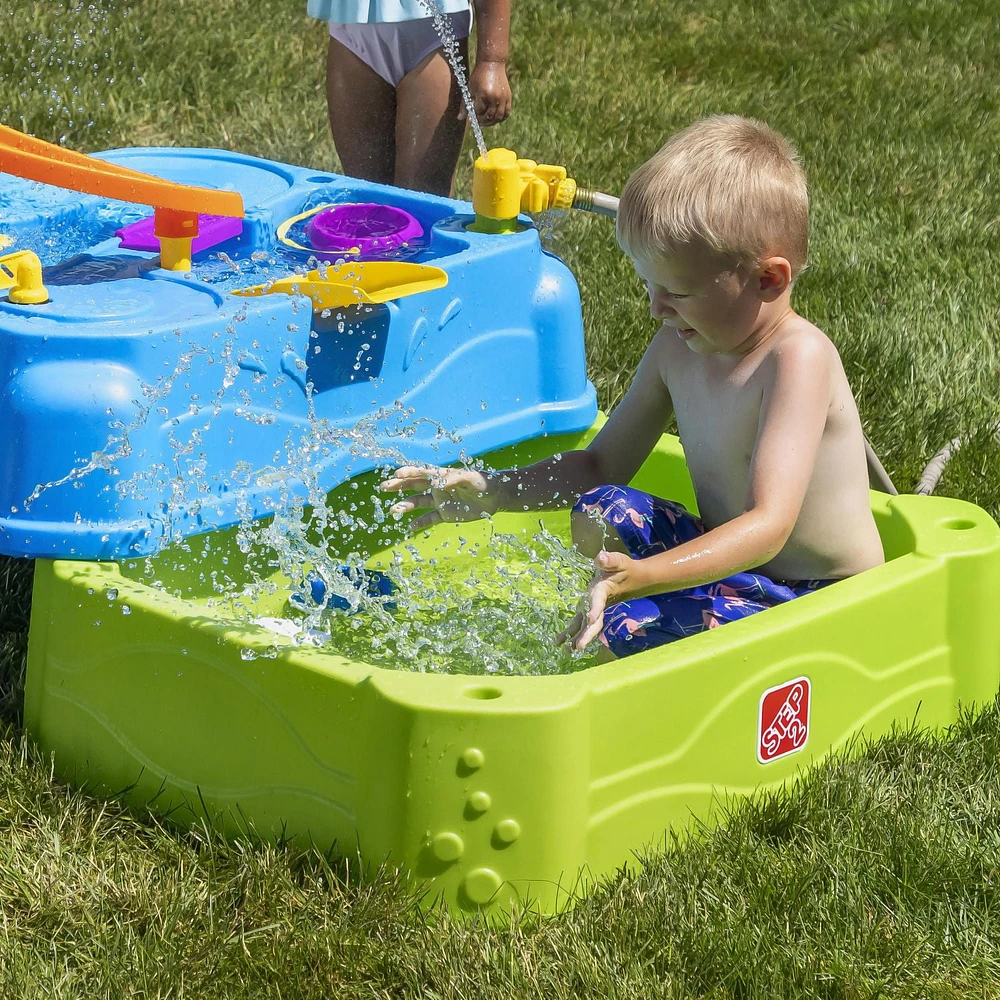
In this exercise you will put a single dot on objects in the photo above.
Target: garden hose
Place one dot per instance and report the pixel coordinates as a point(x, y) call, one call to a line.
point(934, 469)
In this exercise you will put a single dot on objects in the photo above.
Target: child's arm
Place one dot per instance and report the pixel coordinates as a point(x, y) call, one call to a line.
point(614, 456)
point(488, 81)
point(793, 415)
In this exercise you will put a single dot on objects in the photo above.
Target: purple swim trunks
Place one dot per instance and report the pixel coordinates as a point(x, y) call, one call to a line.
point(648, 525)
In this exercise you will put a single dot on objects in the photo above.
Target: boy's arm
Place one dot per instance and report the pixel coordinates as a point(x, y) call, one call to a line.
point(488, 81)
point(793, 416)
point(614, 456)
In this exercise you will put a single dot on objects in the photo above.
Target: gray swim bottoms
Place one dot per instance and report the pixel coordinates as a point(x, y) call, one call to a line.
point(394, 48)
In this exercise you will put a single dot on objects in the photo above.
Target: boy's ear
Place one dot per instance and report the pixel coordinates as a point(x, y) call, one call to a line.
point(774, 275)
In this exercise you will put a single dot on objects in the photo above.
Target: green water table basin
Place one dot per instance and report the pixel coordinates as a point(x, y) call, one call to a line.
point(501, 790)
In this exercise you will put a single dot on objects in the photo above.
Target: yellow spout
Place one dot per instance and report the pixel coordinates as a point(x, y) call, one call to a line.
point(21, 272)
point(503, 186)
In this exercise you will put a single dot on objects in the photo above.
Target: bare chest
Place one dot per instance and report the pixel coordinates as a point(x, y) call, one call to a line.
point(717, 412)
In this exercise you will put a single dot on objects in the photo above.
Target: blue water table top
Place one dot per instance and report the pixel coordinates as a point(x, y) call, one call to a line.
point(142, 404)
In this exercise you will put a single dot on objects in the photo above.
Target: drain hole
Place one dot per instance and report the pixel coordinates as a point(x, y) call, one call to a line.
point(958, 523)
point(483, 693)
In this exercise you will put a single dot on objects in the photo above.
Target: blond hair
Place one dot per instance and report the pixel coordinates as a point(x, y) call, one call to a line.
point(729, 184)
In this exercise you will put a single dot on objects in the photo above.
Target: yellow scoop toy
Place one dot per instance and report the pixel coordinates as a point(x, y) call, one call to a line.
point(356, 283)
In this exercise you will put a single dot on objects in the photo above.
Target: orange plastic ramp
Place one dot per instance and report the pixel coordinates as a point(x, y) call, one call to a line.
point(37, 160)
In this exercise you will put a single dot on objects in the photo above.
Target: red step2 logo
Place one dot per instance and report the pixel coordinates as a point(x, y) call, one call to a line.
point(783, 721)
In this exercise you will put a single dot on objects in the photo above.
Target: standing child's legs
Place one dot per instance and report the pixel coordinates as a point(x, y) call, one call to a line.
point(394, 102)
point(429, 133)
point(362, 109)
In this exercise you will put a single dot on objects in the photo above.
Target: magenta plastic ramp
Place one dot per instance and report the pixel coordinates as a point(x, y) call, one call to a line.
point(212, 230)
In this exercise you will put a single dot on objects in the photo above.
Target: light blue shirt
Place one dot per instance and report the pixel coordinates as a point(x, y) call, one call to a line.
point(367, 11)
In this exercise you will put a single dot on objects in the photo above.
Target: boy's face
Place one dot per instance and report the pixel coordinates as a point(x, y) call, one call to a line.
point(713, 311)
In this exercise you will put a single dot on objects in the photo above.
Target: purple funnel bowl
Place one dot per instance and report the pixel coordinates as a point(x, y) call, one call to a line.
point(368, 227)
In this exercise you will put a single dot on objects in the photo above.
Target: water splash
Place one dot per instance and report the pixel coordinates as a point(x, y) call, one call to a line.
point(442, 25)
point(478, 601)
point(49, 46)
point(492, 607)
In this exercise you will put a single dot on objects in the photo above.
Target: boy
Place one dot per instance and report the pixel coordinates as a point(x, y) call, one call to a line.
point(716, 224)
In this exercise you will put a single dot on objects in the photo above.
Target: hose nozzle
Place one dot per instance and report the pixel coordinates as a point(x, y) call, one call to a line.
point(588, 200)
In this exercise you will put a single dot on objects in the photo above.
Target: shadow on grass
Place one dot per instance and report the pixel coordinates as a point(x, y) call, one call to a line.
point(16, 577)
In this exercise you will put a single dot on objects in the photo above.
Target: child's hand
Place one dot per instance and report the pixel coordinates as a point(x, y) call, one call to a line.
point(452, 494)
point(617, 578)
point(490, 92)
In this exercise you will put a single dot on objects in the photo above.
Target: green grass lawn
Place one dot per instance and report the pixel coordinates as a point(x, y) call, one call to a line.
point(877, 876)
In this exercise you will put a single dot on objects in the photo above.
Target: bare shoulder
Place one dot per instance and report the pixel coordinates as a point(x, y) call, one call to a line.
point(802, 339)
point(802, 347)
point(665, 342)
point(667, 350)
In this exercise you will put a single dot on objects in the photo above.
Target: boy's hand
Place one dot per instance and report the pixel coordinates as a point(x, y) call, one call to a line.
point(618, 577)
point(490, 92)
point(452, 494)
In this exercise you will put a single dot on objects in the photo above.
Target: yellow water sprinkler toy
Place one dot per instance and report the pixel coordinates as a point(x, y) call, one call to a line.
point(503, 186)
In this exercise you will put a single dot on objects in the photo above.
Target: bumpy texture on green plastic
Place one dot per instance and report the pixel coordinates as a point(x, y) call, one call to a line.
point(502, 789)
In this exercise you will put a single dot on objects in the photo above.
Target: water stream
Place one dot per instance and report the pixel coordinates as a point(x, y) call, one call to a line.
point(450, 45)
